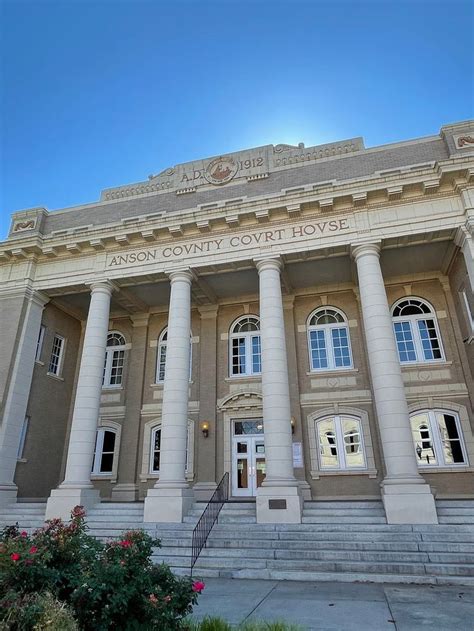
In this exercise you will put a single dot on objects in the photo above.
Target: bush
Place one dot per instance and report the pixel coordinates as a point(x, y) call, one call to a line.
point(37, 612)
point(113, 585)
point(217, 624)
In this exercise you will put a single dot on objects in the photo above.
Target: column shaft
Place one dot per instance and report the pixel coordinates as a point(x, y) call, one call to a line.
point(390, 400)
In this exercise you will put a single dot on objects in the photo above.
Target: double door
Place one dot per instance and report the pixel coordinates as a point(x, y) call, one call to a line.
point(248, 471)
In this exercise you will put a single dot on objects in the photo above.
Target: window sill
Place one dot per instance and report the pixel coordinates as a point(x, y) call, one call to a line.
point(156, 476)
point(244, 378)
point(371, 473)
point(21, 460)
point(459, 469)
point(112, 388)
point(108, 477)
point(331, 371)
point(58, 377)
point(39, 362)
point(160, 384)
point(430, 364)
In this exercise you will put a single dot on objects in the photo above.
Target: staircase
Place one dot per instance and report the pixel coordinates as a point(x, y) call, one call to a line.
point(337, 541)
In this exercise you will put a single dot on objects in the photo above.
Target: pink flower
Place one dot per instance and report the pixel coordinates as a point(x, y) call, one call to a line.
point(23, 533)
point(153, 599)
point(198, 586)
point(167, 599)
point(15, 556)
point(126, 543)
point(33, 549)
point(122, 562)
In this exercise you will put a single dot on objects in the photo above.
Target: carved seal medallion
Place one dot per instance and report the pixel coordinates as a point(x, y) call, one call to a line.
point(221, 170)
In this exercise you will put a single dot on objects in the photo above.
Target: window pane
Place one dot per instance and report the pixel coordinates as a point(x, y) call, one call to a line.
point(55, 355)
point(248, 427)
point(106, 463)
point(342, 356)
point(452, 449)
point(429, 339)
point(156, 451)
point(327, 444)
point(319, 358)
point(404, 338)
point(256, 355)
point(422, 438)
point(117, 368)
point(109, 441)
point(352, 443)
point(161, 362)
point(238, 356)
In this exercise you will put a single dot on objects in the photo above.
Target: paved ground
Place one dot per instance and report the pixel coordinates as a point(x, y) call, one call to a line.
point(340, 606)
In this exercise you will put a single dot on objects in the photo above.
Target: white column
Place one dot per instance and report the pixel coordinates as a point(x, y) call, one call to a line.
point(77, 488)
point(406, 496)
point(18, 393)
point(278, 500)
point(171, 497)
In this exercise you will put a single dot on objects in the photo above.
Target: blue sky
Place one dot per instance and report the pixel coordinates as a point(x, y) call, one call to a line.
point(99, 94)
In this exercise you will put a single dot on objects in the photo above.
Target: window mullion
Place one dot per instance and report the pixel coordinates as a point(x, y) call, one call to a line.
point(436, 438)
point(420, 354)
point(329, 347)
point(340, 442)
point(248, 354)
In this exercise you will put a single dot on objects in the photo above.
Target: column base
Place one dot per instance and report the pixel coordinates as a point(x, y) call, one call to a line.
point(279, 505)
point(167, 505)
point(62, 500)
point(8, 494)
point(125, 493)
point(203, 491)
point(409, 504)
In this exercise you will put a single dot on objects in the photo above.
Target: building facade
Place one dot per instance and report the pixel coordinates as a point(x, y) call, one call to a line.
point(301, 318)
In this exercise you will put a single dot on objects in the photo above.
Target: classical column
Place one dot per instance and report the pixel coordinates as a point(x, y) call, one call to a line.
point(207, 446)
point(126, 489)
point(77, 488)
point(18, 389)
point(170, 499)
point(406, 496)
point(278, 499)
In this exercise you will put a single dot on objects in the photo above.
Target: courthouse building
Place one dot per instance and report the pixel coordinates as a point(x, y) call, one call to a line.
point(299, 317)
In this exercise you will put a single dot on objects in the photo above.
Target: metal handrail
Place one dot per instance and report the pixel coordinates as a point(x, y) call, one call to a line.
point(209, 518)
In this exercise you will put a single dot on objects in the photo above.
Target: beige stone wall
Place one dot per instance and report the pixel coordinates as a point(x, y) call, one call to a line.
point(48, 409)
point(11, 317)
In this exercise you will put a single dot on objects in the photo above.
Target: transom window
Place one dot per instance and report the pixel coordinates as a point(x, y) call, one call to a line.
point(114, 360)
point(416, 331)
point(437, 438)
point(248, 427)
point(104, 451)
point(340, 443)
point(328, 340)
point(161, 357)
point(245, 347)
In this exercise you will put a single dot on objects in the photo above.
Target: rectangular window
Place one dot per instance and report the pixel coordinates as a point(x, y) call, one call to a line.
point(319, 356)
point(405, 343)
point(39, 343)
point(162, 362)
point(429, 339)
point(468, 300)
point(450, 440)
point(55, 363)
point(116, 369)
point(256, 355)
point(342, 355)
point(238, 356)
point(24, 430)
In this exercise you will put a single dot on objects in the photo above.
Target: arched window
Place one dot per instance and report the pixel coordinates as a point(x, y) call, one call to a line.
point(114, 360)
point(416, 331)
point(328, 340)
point(155, 449)
point(340, 443)
point(245, 348)
point(437, 438)
point(161, 356)
point(104, 451)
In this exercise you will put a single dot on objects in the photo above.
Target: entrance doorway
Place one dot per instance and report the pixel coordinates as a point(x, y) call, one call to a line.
point(248, 457)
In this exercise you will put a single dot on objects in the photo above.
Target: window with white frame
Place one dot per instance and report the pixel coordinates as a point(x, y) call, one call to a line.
point(416, 331)
point(114, 360)
point(467, 299)
point(57, 353)
point(437, 438)
point(340, 443)
point(245, 347)
point(155, 449)
point(21, 444)
point(161, 357)
point(39, 343)
point(104, 451)
point(328, 340)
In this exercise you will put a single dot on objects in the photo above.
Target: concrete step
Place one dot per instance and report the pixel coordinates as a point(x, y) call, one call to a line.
point(346, 504)
point(456, 519)
point(246, 545)
point(461, 510)
point(455, 503)
point(349, 519)
point(341, 512)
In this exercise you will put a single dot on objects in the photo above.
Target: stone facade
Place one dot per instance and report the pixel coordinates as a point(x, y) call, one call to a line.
point(269, 235)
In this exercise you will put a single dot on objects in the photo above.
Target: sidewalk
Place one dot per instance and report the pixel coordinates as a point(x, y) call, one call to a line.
point(340, 606)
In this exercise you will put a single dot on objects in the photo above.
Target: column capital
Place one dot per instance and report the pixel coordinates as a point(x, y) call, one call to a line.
point(269, 262)
point(39, 298)
point(104, 286)
point(363, 249)
point(184, 275)
point(208, 312)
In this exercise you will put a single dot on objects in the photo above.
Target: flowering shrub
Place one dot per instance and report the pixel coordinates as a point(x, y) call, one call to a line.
point(108, 586)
